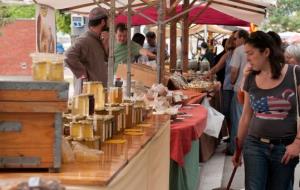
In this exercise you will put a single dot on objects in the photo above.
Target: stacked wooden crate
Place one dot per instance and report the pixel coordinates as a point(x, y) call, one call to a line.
point(31, 123)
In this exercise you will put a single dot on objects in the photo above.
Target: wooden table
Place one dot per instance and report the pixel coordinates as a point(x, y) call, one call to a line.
point(141, 164)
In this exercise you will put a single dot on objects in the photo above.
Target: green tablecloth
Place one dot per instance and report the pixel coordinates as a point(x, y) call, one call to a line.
point(187, 177)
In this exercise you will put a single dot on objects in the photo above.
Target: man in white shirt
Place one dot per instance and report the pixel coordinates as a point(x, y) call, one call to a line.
point(237, 63)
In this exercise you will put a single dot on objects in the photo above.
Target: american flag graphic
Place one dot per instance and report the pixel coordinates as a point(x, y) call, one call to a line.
point(272, 108)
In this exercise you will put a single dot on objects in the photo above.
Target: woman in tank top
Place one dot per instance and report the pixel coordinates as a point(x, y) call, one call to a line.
point(267, 129)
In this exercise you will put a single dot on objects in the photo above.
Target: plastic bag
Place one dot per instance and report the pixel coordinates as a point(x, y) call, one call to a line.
point(214, 120)
point(85, 154)
point(67, 152)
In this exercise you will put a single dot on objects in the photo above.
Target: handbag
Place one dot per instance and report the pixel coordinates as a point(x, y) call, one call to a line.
point(297, 97)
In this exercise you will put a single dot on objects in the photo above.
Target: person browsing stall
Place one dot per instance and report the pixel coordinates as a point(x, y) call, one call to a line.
point(121, 47)
point(267, 129)
point(87, 57)
point(151, 44)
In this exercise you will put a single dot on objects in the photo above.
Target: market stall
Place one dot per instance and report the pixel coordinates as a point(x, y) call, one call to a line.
point(141, 157)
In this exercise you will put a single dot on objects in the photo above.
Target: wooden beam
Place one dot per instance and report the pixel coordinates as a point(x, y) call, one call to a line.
point(161, 42)
point(173, 6)
point(173, 40)
point(192, 3)
point(185, 39)
point(239, 7)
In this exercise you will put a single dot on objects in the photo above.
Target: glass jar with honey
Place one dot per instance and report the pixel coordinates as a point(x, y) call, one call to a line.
point(95, 88)
point(87, 129)
point(55, 71)
point(80, 105)
point(76, 130)
point(115, 95)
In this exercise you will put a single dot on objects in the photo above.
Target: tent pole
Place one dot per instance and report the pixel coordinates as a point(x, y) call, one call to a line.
point(128, 90)
point(160, 59)
point(185, 38)
point(173, 40)
point(111, 44)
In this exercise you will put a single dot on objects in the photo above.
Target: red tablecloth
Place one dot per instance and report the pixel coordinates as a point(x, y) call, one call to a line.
point(186, 131)
point(193, 97)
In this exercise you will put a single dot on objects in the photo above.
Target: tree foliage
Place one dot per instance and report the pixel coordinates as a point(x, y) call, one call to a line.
point(21, 11)
point(4, 15)
point(63, 22)
point(284, 17)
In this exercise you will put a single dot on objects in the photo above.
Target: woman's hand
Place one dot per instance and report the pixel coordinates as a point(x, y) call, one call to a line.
point(247, 70)
point(291, 151)
point(236, 159)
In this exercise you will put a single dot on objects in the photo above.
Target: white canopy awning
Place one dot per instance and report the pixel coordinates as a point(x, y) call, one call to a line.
point(249, 10)
point(253, 11)
point(195, 29)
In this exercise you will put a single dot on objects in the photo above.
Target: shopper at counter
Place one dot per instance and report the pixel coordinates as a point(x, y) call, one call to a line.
point(151, 44)
point(87, 57)
point(121, 48)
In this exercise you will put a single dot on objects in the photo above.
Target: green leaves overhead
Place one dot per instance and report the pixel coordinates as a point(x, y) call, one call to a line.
point(284, 17)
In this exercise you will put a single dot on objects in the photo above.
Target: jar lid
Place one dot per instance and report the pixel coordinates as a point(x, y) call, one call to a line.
point(92, 82)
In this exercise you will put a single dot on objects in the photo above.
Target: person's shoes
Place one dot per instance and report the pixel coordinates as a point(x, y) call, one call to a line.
point(226, 139)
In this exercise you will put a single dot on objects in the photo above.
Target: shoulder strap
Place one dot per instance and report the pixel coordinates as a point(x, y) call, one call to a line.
point(296, 91)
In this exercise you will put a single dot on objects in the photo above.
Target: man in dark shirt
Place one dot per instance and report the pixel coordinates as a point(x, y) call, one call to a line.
point(87, 57)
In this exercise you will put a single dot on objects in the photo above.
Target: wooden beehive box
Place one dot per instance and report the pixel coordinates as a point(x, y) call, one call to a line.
point(31, 123)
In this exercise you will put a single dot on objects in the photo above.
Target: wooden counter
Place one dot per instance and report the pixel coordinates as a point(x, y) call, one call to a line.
point(115, 159)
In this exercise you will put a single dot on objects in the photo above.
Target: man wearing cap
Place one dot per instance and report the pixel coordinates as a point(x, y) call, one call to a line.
point(87, 57)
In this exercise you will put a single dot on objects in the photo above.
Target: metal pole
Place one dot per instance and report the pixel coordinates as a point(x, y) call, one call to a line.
point(128, 90)
point(111, 44)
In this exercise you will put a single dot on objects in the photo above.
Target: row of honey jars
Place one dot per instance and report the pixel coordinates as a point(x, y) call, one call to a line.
point(47, 66)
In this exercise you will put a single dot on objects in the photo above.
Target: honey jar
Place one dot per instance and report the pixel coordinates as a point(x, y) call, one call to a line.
point(119, 118)
point(115, 95)
point(103, 125)
point(39, 71)
point(138, 114)
point(87, 129)
point(80, 105)
point(95, 88)
point(128, 115)
point(76, 130)
point(55, 71)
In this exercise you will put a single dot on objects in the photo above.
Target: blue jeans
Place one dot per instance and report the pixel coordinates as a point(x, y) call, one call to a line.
point(236, 112)
point(263, 167)
point(226, 108)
